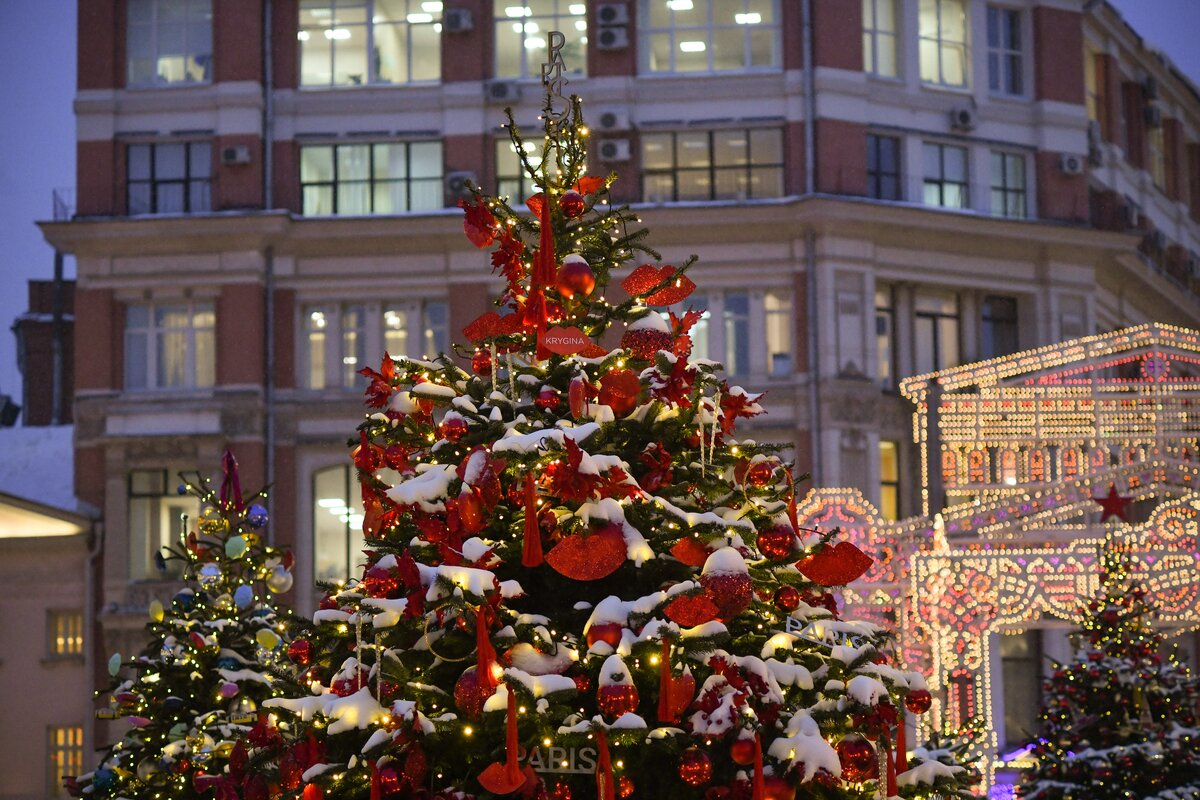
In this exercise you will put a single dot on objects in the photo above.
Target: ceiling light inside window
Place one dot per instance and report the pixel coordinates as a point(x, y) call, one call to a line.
point(432, 6)
point(680, 5)
point(577, 8)
point(535, 43)
point(337, 33)
point(531, 27)
point(517, 11)
point(302, 35)
point(753, 18)
point(580, 25)
point(693, 47)
point(419, 18)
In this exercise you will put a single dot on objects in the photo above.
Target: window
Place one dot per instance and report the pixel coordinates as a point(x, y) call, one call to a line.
point(337, 523)
point(942, 26)
point(945, 175)
point(430, 334)
point(1093, 87)
point(1158, 156)
point(1007, 467)
point(850, 323)
point(935, 326)
point(737, 333)
point(168, 41)
point(64, 746)
point(1008, 185)
point(777, 308)
point(169, 346)
point(338, 338)
point(998, 328)
point(155, 521)
point(885, 327)
point(511, 178)
point(733, 164)
point(1005, 66)
point(1021, 672)
point(168, 178)
point(889, 480)
point(699, 331)
point(521, 31)
point(879, 38)
point(710, 35)
point(403, 38)
point(949, 469)
point(64, 633)
point(380, 178)
point(883, 167)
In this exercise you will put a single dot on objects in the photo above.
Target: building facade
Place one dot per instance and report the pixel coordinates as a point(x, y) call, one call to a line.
point(875, 188)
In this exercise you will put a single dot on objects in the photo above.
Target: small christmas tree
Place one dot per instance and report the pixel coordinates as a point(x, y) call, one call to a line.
point(578, 583)
point(1119, 720)
point(192, 698)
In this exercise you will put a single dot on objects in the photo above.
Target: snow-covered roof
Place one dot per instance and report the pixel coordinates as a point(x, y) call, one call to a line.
point(37, 464)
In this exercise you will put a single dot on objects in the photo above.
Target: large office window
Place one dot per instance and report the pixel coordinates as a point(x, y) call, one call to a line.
point(521, 36)
point(732, 164)
point(169, 346)
point(945, 175)
point(1021, 672)
point(709, 35)
point(155, 521)
point(889, 479)
point(936, 329)
point(337, 523)
point(883, 167)
point(737, 333)
point(998, 327)
point(1008, 186)
point(885, 327)
point(168, 42)
point(168, 178)
point(416, 329)
point(1005, 51)
point(777, 308)
point(64, 634)
point(380, 178)
point(335, 345)
point(357, 42)
point(942, 33)
point(879, 38)
point(64, 749)
point(512, 180)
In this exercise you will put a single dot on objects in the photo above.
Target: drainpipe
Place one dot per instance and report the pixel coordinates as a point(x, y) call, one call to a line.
point(91, 608)
point(810, 240)
point(58, 331)
point(810, 100)
point(268, 127)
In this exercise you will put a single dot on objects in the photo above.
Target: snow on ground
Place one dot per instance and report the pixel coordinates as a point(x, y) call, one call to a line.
point(38, 464)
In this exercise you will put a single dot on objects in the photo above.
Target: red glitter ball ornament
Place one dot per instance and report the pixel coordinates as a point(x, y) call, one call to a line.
point(470, 694)
point(346, 685)
point(695, 767)
point(787, 598)
point(776, 788)
point(858, 759)
point(609, 632)
point(561, 791)
point(389, 780)
point(777, 543)
point(643, 343)
point(382, 582)
point(730, 591)
point(583, 682)
point(481, 364)
point(453, 429)
point(572, 204)
point(548, 399)
point(918, 701)
point(619, 389)
point(617, 699)
point(300, 652)
point(575, 277)
point(742, 751)
point(624, 786)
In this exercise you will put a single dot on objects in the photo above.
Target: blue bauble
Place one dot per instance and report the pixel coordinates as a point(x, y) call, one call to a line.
point(160, 561)
point(181, 489)
point(256, 516)
point(243, 596)
point(228, 662)
point(185, 599)
point(104, 779)
point(173, 704)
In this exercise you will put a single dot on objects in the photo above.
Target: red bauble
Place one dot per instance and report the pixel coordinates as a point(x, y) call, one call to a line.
point(583, 682)
point(918, 701)
point(548, 399)
point(347, 685)
point(561, 791)
point(619, 389)
point(382, 582)
point(481, 364)
point(859, 762)
point(757, 474)
point(776, 788)
point(624, 786)
point(453, 429)
point(617, 699)
point(787, 598)
point(572, 204)
point(609, 632)
point(300, 652)
point(777, 543)
point(575, 277)
point(470, 694)
point(645, 342)
point(742, 751)
point(730, 592)
point(389, 780)
point(695, 767)
point(470, 512)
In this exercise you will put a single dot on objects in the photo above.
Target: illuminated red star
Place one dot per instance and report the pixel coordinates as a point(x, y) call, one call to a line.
point(1114, 504)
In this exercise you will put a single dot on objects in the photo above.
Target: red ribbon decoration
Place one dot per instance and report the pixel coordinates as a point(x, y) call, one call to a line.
point(664, 684)
point(902, 743)
point(791, 504)
point(531, 553)
point(605, 784)
point(231, 484)
point(512, 768)
point(485, 654)
point(313, 792)
point(760, 783)
point(537, 313)
point(891, 766)
point(376, 783)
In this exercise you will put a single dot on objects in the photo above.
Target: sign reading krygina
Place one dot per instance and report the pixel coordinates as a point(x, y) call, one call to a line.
point(564, 341)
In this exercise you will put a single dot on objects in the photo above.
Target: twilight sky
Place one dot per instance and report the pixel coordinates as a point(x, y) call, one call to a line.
point(37, 152)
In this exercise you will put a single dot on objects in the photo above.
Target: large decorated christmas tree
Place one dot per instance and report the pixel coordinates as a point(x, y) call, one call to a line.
point(191, 700)
point(578, 582)
point(1119, 721)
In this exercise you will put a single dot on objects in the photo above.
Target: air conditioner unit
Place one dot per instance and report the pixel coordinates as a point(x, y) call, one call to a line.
point(612, 38)
point(612, 120)
point(458, 184)
point(503, 92)
point(612, 14)
point(963, 118)
point(615, 150)
point(1153, 117)
point(235, 154)
point(1070, 164)
point(1150, 87)
point(457, 20)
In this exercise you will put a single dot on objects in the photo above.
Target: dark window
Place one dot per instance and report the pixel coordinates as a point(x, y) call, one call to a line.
point(168, 178)
point(1005, 74)
point(998, 331)
point(935, 325)
point(945, 176)
point(1008, 185)
point(733, 164)
point(883, 167)
point(885, 326)
point(380, 178)
point(1021, 669)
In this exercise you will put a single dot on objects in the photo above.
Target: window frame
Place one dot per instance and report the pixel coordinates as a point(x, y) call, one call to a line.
point(1009, 194)
point(64, 634)
point(153, 381)
point(887, 313)
point(935, 319)
point(886, 482)
point(352, 502)
point(1156, 156)
point(63, 759)
point(941, 181)
point(524, 185)
point(876, 174)
point(187, 182)
point(369, 25)
point(646, 31)
point(371, 183)
point(576, 66)
point(1001, 57)
point(713, 169)
point(144, 570)
point(871, 36)
point(989, 320)
point(154, 24)
point(941, 43)
point(1034, 659)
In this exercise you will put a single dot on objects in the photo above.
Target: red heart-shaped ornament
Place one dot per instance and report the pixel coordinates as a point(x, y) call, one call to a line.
point(589, 557)
point(683, 689)
point(691, 551)
point(835, 566)
point(491, 325)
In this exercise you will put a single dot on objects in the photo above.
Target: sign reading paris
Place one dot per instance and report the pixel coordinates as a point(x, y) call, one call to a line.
point(552, 75)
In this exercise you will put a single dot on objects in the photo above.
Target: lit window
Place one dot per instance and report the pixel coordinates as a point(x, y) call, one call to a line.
point(709, 35)
point(883, 167)
point(521, 36)
point(402, 38)
point(1021, 673)
point(64, 747)
point(168, 178)
point(168, 41)
point(737, 333)
point(1158, 156)
point(949, 469)
point(1008, 467)
point(156, 520)
point(1005, 66)
point(1070, 463)
point(338, 338)
point(998, 327)
point(879, 38)
point(512, 179)
point(943, 42)
point(1008, 186)
point(889, 480)
point(936, 329)
point(428, 339)
point(381, 178)
point(337, 523)
point(734, 164)
point(945, 175)
point(1092, 84)
point(977, 465)
point(64, 631)
point(1037, 466)
point(777, 308)
point(169, 346)
point(885, 327)
point(335, 345)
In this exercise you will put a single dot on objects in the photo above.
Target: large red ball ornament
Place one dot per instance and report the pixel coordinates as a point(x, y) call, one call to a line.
point(470, 694)
point(382, 582)
point(548, 399)
point(347, 685)
point(572, 204)
point(742, 751)
point(575, 277)
point(643, 343)
point(389, 780)
point(300, 652)
point(777, 543)
point(481, 364)
point(617, 699)
point(608, 632)
point(453, 429)
point(776, 788)
point(918, 701)
point(787, 598)
point(619, 389)
point(695, 767)
point(858, 759)
point(730, 592)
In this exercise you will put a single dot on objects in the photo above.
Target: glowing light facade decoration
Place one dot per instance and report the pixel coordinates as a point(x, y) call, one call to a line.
point(1012, 453)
